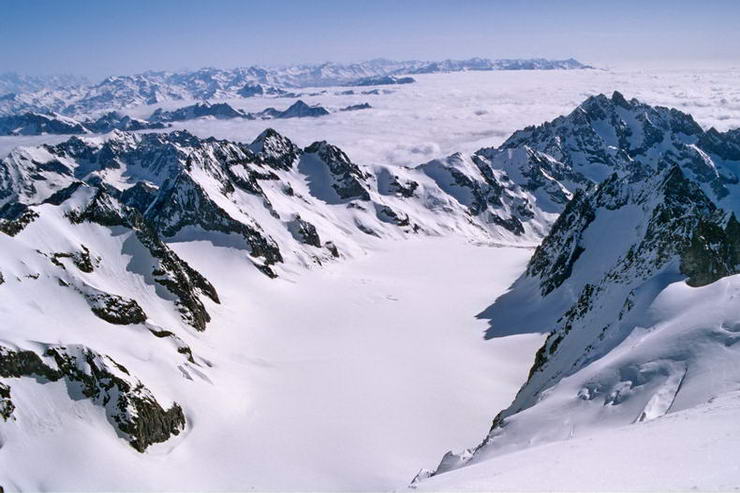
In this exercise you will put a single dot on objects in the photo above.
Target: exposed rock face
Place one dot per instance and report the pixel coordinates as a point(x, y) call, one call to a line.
point(383, 81)
point(605, 135)
point(475, 185)
point(130, 406)
point(115, 120)
point(404, 188)
point(179, 278)
point(676, 222)
point(250, 90)
point(170, 271)
point(139, 197)
point(81, 259)
point(223, 111)
point(15, 217)
point(37, 124)
point(348, 178)
point(637, 208)
point(304, 231)
point(357, 107)
point(387, 214)
point(198, 110)
point(116, 309)
point(179, 181)
point(275, 150)
point(332, 248)
point(299, 109)
point(183, 202)
point(713, 252)
point(6, 404)
point(564, 239)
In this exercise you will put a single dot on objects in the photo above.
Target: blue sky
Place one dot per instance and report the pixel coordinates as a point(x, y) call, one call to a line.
point(98, 38)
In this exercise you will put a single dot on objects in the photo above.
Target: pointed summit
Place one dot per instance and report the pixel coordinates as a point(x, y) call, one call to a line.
point(619, 100)
point(274, 149)
point(348, 179)
point(300, 109)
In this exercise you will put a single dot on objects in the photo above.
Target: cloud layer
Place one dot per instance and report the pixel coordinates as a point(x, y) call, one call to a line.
point(445, 113)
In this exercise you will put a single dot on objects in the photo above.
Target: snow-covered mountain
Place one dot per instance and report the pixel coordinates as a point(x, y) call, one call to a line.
point(224, 111)
point(500, 64)
point(634, 279)
point(54, 123)
point(386, 80)
point(13, 83)
point(39, 123)
point(126, 91)
point(198, 110)
point(87, 225)
point(299, 109)
point(634, 282)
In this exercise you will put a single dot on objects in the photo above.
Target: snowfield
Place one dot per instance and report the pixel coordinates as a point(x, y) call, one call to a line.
point(345, 377)
point(689, 450)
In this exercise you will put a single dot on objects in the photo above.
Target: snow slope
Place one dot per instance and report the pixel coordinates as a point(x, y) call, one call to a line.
point(201, 318)
point(636, 284)
point(345, 377)
point(689, 450)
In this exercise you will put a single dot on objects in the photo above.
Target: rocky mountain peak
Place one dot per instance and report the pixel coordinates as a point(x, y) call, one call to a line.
point(275, 149)
point(349, 181)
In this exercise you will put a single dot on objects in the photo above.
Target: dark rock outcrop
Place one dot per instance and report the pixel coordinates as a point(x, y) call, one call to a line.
point(130, 407)
point(299, 109)
point(14, 217)
point(116, 309)
point(275, 150)
point(171, 271)
point(6, 404)
point(38, 123)
point(304, 231)
point(198, 110)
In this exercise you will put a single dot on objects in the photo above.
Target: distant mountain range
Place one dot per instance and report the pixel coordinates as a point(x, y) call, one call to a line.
point(71, 97)
point(224, 111)
point(31, 123)
point(11, 82)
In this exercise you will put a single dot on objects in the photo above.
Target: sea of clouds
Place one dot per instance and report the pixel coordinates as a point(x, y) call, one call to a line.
point(445, 113)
